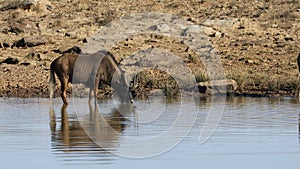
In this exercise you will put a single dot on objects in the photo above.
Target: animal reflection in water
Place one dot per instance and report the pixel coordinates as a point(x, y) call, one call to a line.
point(72, 141)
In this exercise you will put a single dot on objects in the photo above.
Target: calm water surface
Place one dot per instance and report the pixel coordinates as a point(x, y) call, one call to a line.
point(252, 133)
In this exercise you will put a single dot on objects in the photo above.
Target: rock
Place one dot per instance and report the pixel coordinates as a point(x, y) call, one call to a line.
point(249, 61)
point(241, 59)
point(30, 41)
point(288, 38)
point(157, 92)
point(218, 86)
point(68, 34)
point(4, 45)
point(84, 40)
point(25, 63)
point(29, 5)
point(10, 60)
point(34, 56)
point(211, 32)
point(20, 43)
point(74, 49)
point(208, 31)
point(285, 25)
point(17, 4)
point(220, 24)
point(24, 26)
point(43, 5)
point(160, 28)
point(218, 34)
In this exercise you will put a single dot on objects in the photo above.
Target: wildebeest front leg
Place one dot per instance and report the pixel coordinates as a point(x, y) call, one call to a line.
point(91, 94)
point(96, 85)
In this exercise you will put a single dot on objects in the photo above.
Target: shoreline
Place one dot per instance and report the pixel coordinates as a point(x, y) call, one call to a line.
point(104, 95)
point(257, 45)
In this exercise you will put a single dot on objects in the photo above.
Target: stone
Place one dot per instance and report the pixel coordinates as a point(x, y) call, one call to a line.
point(5, 45)
point(84, 40)
point(10, 60)
point(30, 41)
point(34, 56)
point(285, 25)
point(25, 63)
point(220, 24)
point(249, 61)
point(218, 34)
point(157, 92)
point(223, 86)
point(208, 31)
point(160, 28)
point(74, 49)
point(19, 43)
point(24, 26)
point(17, 4)
point(29, 5)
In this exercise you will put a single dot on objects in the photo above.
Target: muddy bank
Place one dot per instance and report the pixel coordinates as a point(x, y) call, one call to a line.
point(257, 41)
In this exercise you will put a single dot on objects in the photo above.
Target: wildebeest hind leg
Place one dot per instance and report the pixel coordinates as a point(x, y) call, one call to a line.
point(64, 85)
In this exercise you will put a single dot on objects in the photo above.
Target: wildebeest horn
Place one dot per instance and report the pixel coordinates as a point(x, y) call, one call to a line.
point(133, 82)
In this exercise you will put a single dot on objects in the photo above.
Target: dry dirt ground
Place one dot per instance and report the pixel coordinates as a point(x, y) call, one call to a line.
point(257, 41)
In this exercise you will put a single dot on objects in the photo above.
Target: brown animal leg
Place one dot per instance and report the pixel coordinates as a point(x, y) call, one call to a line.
point(90, 95)
point(64, 85)
point(95, 95)
point(96, 85)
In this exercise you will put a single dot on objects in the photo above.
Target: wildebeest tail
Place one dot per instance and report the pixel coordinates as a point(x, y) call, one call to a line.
point(51, 82)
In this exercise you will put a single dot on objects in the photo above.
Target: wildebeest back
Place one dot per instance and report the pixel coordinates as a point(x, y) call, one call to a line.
point(86, 67)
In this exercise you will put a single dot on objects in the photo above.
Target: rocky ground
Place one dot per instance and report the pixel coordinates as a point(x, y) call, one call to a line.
point(257, 41)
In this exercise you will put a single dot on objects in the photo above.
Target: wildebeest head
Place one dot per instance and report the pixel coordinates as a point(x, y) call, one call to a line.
point(123, 89)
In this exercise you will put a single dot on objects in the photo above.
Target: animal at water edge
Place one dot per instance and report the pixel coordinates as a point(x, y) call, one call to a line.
point(91, 70)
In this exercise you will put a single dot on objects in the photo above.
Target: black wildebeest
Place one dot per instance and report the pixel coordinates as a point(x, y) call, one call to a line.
point(91, 70)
